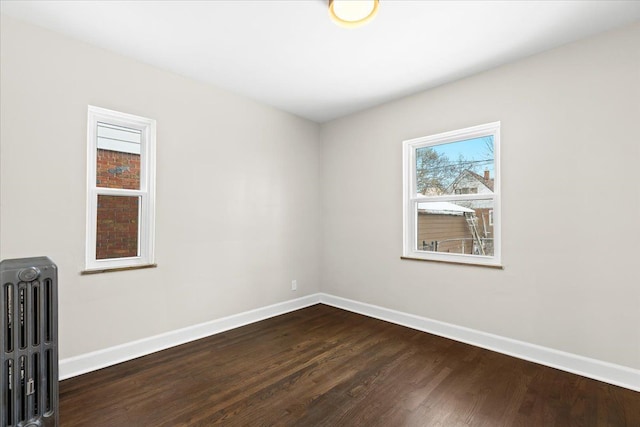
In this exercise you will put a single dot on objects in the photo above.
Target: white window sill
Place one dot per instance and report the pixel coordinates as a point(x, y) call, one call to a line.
point(470, 264)
point(109, 270)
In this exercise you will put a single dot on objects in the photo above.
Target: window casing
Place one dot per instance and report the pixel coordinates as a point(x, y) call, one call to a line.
point(120, 190)
point(451, 196)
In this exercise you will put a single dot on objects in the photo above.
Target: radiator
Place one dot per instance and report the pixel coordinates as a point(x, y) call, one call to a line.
point(29, 335)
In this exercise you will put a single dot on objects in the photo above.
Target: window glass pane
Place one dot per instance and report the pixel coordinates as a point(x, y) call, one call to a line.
point(117, 230)
point(461, 167)
point(462, 227)
point(118, 157)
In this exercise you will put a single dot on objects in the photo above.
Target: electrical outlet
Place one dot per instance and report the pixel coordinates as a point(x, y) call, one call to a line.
point(294, 285)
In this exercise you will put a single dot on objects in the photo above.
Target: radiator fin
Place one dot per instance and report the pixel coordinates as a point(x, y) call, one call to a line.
point(35, 314)
point(22, 320)
point(7, 304)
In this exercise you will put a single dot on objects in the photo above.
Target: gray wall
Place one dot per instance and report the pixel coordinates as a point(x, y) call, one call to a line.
point(237, 191)
point(571, 202)
point(253, 197)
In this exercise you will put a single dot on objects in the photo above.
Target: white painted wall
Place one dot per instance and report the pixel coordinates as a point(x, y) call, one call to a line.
point(571, 202)
point(239, 217)
point(237, 191)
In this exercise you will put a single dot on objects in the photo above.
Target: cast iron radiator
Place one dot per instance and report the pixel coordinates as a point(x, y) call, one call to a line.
point(29, 335)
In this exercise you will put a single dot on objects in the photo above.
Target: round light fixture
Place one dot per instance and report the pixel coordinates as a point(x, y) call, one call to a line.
point(352, 13)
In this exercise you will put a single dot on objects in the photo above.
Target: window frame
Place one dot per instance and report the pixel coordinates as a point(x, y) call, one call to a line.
point(411, 200)
point(146, 192)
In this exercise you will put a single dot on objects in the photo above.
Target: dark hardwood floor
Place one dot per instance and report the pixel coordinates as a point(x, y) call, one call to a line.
point(322, 366)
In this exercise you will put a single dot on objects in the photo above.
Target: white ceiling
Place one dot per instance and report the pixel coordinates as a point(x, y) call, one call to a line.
point(290, 55)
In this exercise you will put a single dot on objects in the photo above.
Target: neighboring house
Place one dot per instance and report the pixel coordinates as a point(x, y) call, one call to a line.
point(443, 227)
point(117, 216)
point(461, 227)
point(469, 182)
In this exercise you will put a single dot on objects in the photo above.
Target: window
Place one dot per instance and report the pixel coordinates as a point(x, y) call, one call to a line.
point(451, 196)
point(121, 191)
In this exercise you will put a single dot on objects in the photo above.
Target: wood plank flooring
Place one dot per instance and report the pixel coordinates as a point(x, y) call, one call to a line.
point(322, 366)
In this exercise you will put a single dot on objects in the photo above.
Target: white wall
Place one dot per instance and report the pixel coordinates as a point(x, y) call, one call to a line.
point(239, 217)
point(237, 191)
point(571, 202)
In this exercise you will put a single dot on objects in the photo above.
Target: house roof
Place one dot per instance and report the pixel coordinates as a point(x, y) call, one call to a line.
point(486, 182)
point(443, 208)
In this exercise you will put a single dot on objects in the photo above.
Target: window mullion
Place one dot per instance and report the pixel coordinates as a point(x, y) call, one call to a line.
point(103, 191)
point(454, 197)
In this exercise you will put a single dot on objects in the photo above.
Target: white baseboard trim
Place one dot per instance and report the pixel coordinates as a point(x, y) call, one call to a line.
point(78, 365)
point(591, 368)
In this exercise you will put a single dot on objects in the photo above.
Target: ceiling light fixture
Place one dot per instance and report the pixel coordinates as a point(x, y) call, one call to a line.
point(352, 13)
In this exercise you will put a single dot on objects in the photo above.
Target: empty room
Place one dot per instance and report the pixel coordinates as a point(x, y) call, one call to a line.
point(319, 213)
